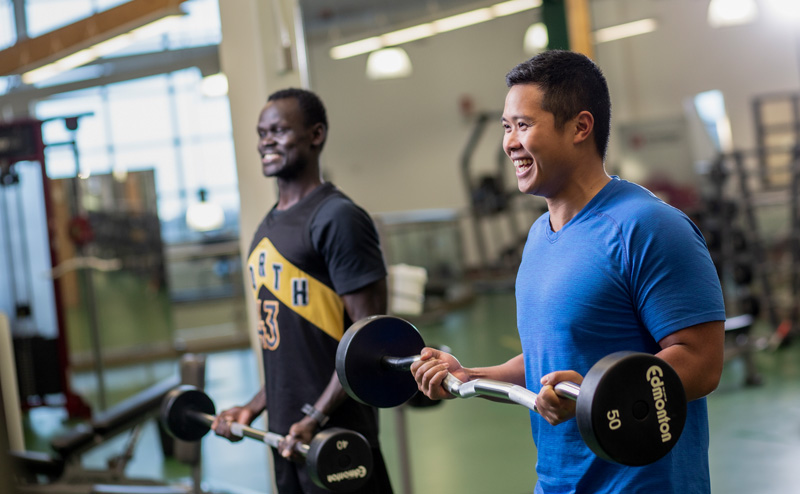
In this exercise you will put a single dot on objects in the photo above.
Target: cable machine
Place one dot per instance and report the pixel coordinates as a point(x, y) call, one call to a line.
point(33, 301)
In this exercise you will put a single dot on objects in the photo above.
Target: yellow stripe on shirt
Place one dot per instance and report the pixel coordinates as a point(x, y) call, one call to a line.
point(305, 295)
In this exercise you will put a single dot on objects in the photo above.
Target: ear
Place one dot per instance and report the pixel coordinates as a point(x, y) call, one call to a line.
point(318, 134)
point(584, 125)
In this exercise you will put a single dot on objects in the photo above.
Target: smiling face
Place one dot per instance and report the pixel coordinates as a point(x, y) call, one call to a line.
point(286, 145)
point(540, 151)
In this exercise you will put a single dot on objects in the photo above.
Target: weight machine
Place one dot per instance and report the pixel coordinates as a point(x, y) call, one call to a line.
point(491, 204)
point(22, 157)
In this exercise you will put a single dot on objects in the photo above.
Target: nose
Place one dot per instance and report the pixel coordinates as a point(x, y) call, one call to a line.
point(265, 141)
point(510, 142)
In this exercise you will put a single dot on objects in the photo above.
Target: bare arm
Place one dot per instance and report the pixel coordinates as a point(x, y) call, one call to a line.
point(434, 365)
point(244, 415)
point(696, 354)
point(367, 301)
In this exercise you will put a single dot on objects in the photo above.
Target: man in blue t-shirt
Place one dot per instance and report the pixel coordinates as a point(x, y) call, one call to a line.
point(609, 267)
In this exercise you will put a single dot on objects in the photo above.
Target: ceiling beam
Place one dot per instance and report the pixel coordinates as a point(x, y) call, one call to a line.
point(32, 53)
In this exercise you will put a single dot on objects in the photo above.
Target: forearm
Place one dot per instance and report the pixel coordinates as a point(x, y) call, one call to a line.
point(512, 371)
point(331, 397)
point(258, 403)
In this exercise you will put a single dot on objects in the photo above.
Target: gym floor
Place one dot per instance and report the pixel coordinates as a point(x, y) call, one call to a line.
point(464, 446)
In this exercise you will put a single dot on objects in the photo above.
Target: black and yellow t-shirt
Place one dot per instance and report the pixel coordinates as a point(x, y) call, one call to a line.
point(301, 260)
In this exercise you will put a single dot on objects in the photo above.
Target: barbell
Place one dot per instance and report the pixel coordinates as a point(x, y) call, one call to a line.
point(630, 408)
point(337, 459)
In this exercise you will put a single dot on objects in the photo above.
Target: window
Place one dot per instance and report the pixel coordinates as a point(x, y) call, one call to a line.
point(162, 123)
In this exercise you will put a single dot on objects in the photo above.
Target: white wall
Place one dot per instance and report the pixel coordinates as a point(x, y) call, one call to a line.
point(651, 75)
point(396, 145)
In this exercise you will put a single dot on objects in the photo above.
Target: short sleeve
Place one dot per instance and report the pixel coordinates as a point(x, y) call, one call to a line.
point(674, 280)
point(346, 237)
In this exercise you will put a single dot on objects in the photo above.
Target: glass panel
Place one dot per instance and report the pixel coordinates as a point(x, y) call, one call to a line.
point(8, 32)
point(59, 161)
point(160, 157)
point(47, 15)
point(95, 160)
point(201, 26)
point(107, 4)
point(140, 111)
point(210, 164)
point(199, 115)
point(88, 106)
point(5, 84)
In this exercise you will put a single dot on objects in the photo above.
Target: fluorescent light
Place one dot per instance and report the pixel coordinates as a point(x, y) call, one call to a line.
point(356, 48)
point(407, 35)
point(388, 63)
point(98, 50)
point(731, 12)
point(463, 20)
point(536, 38)
point(69, 62)
point(514, 6)
point(627, 30)
point(114, 44)
point(429, 29)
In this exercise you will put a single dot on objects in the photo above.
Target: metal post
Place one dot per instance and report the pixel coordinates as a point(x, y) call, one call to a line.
point(402, 449)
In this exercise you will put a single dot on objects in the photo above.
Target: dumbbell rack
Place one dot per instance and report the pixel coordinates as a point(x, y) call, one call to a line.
point(732, 233)
point(734, 241)
point(738, 242)
point(777, 128)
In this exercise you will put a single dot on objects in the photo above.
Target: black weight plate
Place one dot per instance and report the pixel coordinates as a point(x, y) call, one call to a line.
point(631, 408)
point(359, 366)
point(339, 460)
point(173, 412)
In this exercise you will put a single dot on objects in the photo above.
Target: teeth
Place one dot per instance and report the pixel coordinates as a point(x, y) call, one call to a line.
point(525, 162)
point(270, 156)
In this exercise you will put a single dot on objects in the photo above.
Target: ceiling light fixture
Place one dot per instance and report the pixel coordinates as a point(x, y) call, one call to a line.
point(626, 30)
point(723, 13)
point(428, 29)
point(388, 63)
point(204, 216)
point(536, 38)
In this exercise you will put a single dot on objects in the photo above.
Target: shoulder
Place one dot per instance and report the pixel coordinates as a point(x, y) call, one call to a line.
point(632, 205)
point(337, 208)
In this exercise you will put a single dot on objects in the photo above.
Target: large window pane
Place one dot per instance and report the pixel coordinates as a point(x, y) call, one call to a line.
point(88, 106)
point(140, 111)
point(201, 26)
point(47, 15)
point(59, 161)
point(8, 32)
point(210, 163)
point(107, 4)
point(160, 157)
point(161, 123)
point(199, 115)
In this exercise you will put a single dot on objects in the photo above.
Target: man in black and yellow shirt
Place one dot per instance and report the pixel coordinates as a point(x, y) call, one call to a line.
point(315, 266)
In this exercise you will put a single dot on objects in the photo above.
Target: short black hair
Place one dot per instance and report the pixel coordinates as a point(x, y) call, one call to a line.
point(310, 104)
point(571, 83)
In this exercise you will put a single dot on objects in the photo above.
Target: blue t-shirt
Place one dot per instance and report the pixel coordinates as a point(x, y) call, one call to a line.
point(622, 274)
